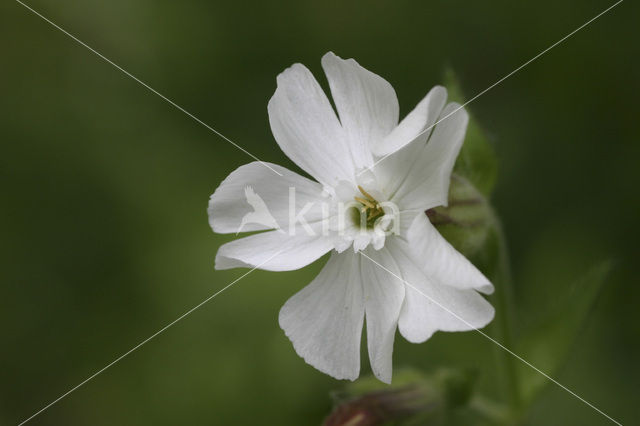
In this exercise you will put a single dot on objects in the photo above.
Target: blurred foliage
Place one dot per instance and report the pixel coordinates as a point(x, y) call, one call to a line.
point(547, 343)
point(104, 190)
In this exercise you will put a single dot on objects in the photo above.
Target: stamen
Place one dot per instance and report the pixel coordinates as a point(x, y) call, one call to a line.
point(365, 202)
point(370, 207)
point(366, 194)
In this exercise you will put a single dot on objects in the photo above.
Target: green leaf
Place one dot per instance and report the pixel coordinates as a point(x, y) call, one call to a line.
point(547, 344)
point(477, 159)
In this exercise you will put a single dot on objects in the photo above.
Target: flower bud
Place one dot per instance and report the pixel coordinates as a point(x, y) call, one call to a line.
point(414, 397)
point(466, 221)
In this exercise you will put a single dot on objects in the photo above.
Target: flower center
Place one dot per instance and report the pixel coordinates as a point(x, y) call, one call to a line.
point(370, 210)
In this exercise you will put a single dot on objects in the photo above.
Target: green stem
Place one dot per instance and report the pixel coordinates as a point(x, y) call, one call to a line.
point(503, 282)
point(490, 410)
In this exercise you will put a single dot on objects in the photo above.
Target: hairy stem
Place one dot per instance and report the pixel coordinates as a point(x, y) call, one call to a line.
point(503, 282)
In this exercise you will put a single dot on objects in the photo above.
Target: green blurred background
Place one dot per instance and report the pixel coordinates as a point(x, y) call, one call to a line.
point(104, 190)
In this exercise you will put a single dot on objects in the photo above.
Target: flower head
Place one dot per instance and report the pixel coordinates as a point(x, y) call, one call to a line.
point(373, 180)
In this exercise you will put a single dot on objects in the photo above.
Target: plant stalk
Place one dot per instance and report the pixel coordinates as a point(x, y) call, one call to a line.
point(504, 296)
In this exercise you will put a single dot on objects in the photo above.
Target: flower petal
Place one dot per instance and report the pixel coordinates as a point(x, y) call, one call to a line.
point(366, 103)
point(430, 306)
point(307, 129)
point(324, 319)
point(230, 203)
point(384, 293)
point(423, 115)
point(440, 261)
point(425, 181)
point(275, 250)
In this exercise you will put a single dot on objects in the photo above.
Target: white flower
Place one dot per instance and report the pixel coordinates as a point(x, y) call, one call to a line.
point(325, 319)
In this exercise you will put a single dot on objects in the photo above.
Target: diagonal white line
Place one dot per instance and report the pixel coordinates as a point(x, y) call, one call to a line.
point(151, 89)
point(501, 80)
point(524, 361)
point(145, 340)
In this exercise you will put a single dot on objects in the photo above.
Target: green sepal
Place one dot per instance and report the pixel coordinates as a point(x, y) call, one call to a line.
point(467, 219)
point(477, 160)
